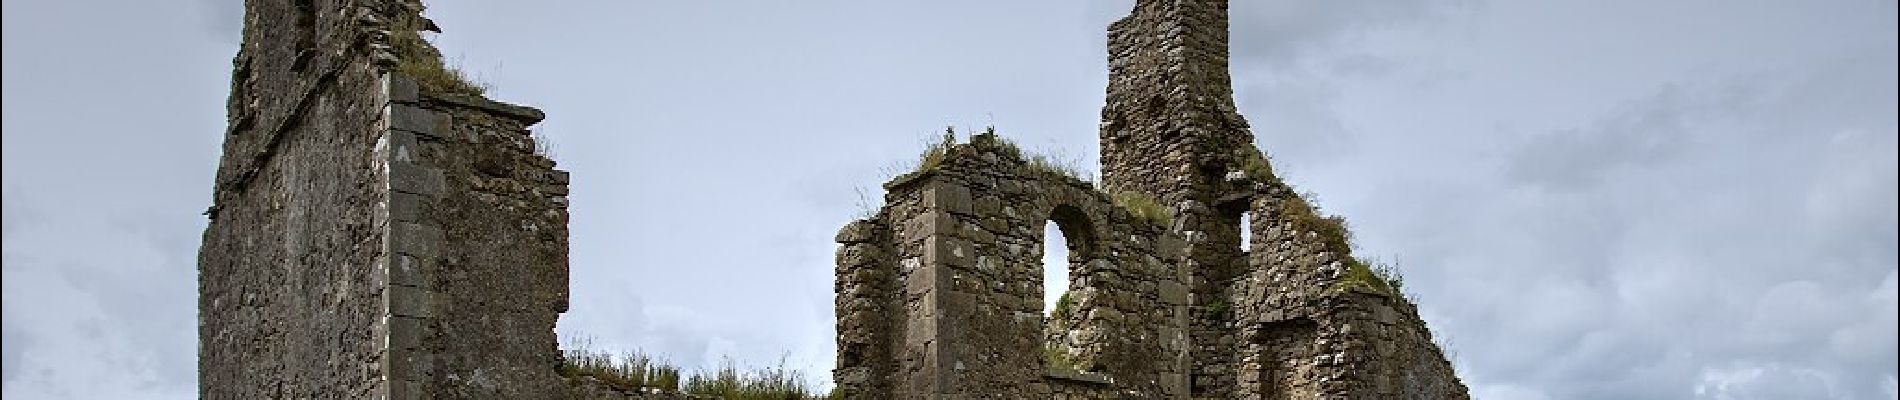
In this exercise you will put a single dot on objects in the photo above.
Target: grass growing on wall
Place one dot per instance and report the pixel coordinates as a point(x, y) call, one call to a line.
point(419, 60)
point(1144, 208)
point(1330, 229)
point(1379, 278)
point(1255, 165)
point(635, 371)
point(1049, 163)
point(1054, 357)
point(936, 152)
point(1332, 232)
point(632, 371)
point(771, 383)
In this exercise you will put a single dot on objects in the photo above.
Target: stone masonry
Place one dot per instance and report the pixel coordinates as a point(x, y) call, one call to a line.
point(380, 230)
point(939, 291)
point(372, 237)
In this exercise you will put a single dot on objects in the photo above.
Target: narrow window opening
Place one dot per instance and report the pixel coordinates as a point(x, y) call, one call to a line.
point(1067, 240)
point(1246, 231)
point(1055, 267)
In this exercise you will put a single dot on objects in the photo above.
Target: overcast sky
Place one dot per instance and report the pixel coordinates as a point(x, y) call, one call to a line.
point(1593, 199)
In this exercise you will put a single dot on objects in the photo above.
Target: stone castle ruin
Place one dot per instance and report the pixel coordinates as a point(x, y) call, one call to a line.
point(939, 293)
point(381, 230)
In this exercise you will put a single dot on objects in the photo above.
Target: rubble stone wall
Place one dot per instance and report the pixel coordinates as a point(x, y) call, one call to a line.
point(487, 264)
point(953, 263)
point(1308, 328)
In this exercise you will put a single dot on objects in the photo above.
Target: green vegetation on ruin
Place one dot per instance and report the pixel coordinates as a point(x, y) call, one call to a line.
point(632, 371)
point(638, 372)
point(1144, 208)
point(1064, 307)
point(418, 59)
point(1254, 163)
point(936, 152)
point(1054, 357)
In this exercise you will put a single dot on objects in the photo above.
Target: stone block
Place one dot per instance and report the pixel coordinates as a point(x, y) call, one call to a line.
point(420, 120)
point(402, 146)
point(408, 301)
point(408, 390)
point(415, 239)
point(922, 280)
point(408, 365)
point(405, 332)
point(921, 330)
point(943, 251)
point(1173, 293)
point(417, 179)
point(948, 197)
point(988, 205)
point(401, 89)
point(408, 270)
point(930, 224)
point(405, 207)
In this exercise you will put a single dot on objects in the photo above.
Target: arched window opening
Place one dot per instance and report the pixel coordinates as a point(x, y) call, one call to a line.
point(1055, 267)
point(1066, 242)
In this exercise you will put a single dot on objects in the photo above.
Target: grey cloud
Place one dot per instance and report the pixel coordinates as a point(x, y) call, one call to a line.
point(1687, 221)
point(1711, 236)
point(1291, 57)
point(1646, 132)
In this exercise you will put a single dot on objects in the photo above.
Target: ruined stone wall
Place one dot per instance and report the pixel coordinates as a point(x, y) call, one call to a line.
point(1271, 318)
point(940, 293)
point(289, 305)
point(1169, 107)
point(1310, 326)
point(490, 267)
point(370, 238)
point(1169, 130)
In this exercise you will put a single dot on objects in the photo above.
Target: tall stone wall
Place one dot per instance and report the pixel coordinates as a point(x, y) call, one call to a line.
point(371, 238)
point(940, 293)
point(290, 304)
point(1169, 129)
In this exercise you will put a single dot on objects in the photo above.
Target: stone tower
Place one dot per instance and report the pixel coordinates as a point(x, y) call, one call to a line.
point(379, 229)
point(938, 292)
